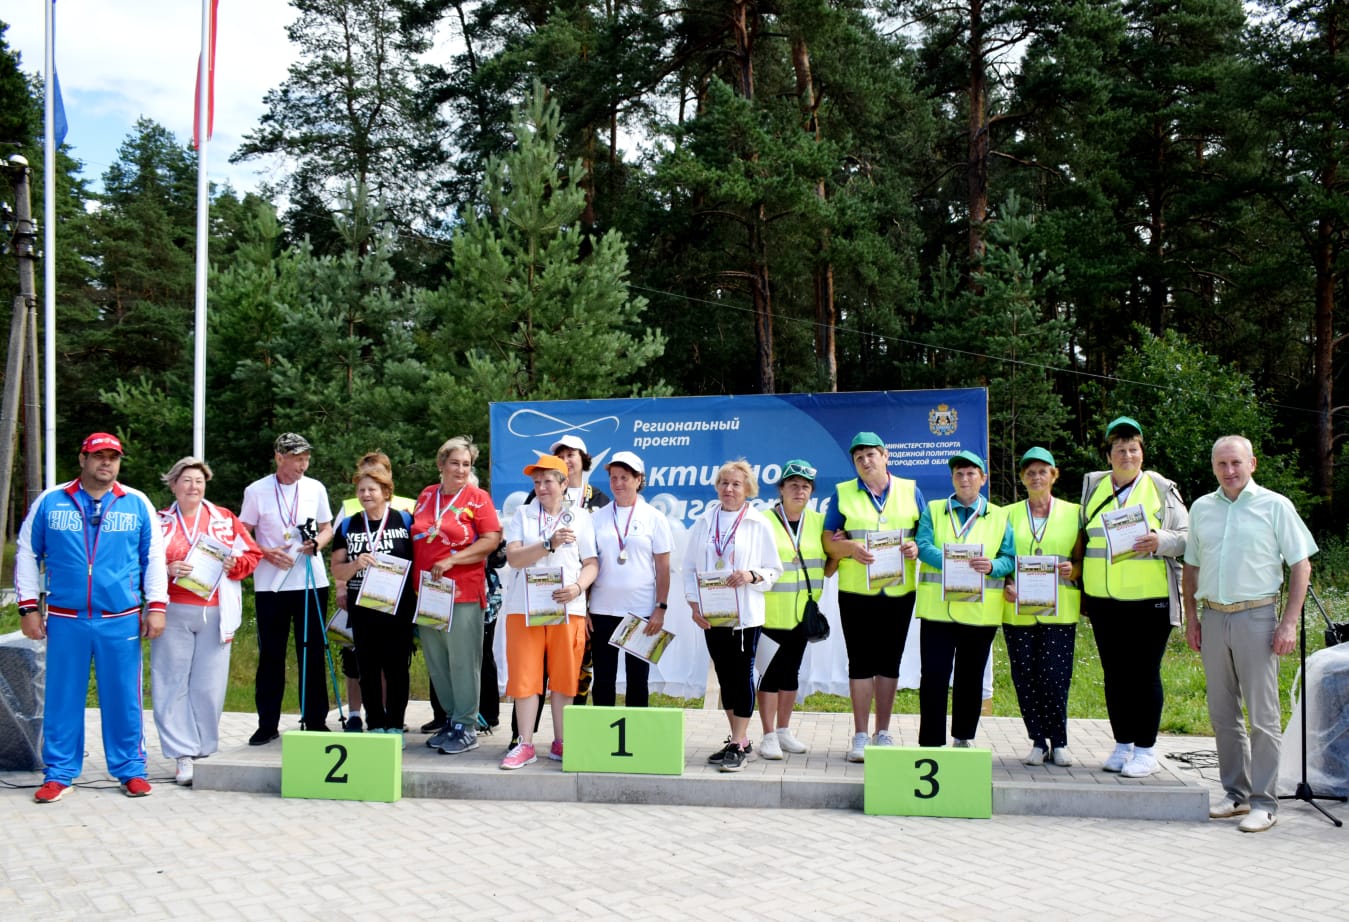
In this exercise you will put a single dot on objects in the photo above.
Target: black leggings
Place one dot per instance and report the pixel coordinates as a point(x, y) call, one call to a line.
point(732, 653)
point(784, 670)
point(604, 687)
point(383, 651)
point(1131, 640)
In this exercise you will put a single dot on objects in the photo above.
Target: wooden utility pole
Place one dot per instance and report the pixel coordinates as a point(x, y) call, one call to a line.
point(25, 245)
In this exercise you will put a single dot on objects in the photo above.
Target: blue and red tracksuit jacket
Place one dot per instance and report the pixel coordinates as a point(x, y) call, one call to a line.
point(103, 573)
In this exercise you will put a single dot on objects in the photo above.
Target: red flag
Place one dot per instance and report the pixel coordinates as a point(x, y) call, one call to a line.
point(210, 89)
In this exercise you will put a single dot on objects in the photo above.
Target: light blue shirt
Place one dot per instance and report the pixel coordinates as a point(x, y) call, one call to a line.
point(1004, 561)
point(1241, 546)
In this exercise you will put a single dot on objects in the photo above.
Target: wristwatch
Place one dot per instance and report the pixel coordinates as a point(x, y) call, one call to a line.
point(27, 611)
point(662, 606)
point(548, 544)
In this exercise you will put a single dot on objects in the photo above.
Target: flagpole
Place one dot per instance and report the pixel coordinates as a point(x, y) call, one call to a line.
point(203, 129)
point(49, 239)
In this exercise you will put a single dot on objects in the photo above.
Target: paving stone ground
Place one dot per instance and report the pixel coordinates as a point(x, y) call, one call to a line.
point(185, 854)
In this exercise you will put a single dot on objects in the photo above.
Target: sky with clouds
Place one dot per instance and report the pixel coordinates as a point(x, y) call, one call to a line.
point(123, 59)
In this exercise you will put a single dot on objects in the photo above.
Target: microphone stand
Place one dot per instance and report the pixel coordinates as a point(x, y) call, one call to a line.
point(1303, 791)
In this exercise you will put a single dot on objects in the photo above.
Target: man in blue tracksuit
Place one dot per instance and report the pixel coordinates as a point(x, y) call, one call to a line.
point(103, 553)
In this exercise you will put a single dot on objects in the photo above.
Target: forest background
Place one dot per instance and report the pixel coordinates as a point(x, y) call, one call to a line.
point(1090, 208)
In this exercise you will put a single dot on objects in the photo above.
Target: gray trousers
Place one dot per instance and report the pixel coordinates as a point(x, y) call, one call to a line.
point(189, 671)
point(454, 662)
point(1239, 663)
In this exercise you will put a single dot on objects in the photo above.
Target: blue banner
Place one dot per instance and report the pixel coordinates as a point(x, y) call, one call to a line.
point(684, 440)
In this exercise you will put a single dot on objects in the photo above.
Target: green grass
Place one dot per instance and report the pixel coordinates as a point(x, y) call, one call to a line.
point(1185, 710)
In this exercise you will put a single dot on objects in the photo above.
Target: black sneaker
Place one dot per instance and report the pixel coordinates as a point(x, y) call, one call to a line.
point(433, 725)
point(352, 724)
point(733, 758)
point(262, 737)
point(717, 757)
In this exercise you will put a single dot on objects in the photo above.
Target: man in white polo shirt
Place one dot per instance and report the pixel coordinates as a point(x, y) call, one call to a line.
point(1241, 537)
point(289, 516)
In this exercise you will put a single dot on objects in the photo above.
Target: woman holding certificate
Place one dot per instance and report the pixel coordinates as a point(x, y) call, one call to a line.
point(1136, 526)
point(966, 552)
point(730, 563)
point(454, 529)
point(1041, 608)
point(869, 530)
point(634, 543)
point(208, 553)
point(551, 548)
point(372, 554)
point(797, 535)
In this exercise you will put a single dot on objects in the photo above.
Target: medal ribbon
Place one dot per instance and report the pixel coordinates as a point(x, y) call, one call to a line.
point(720, 544)
point(281, 503)
point(1038, 539)
point(549, 524)
point(189, 533)
point(1123, 491)
point(795, 536)
point(623, 538)
point(879, 503)
point(962, 530)
point(383, 523)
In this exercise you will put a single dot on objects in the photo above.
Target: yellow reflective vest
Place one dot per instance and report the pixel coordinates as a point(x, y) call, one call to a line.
point(1058, 538)
point(861, 516)
point(988, 530)
point(785, 603)
point(1127, 580)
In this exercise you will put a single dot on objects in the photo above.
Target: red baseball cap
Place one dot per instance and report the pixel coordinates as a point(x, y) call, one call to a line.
point(102, 441)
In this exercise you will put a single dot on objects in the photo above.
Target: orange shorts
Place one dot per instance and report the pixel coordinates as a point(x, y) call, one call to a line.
point(562, 645)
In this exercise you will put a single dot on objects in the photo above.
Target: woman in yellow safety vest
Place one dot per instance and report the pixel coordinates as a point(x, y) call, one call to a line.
point(797, 532)
point(1132, 592)
point(958, 634)
point(1040, 638)
point(874, 610)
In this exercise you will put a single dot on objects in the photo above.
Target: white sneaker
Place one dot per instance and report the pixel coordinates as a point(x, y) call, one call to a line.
point(1116, 761)
point(1227, 808)
point(859, 746)
point(1062, 756)
point(1143, 763)
point(1036, 756)
point(790, 743)
point(184, 774)
point(1258, 821)
point(770, 748)
point(883, 738)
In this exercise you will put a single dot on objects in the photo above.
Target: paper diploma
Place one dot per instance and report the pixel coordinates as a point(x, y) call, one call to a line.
point(888, 567)
point(1037, 584)
point(339, 629)
point(540, 584)
point(383, 583)
point(631, 636)
point(718, 602)
point(435, 602)
point(209, 560)
point(959, 581)
point(1122, 528)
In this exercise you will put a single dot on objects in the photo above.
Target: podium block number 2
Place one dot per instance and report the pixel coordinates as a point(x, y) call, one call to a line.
point(639, 741)
point(913, 781)
point(352, 766)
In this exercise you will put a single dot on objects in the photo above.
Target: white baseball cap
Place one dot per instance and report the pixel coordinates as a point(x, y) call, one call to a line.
point(628, 460)
point(569, 441)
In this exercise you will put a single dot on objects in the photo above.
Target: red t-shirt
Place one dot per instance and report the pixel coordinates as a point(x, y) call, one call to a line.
point(464, 518)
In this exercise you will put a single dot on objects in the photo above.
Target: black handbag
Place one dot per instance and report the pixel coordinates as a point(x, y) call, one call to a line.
point(817, 625)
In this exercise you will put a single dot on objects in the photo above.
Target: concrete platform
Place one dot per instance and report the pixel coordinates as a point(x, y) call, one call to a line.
point(820, 779)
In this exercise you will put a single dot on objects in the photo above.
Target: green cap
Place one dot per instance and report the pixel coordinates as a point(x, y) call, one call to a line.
point(968, 457)
point(798, 467)
point(1038, 454)
point(1123, 422)
point(865, 440)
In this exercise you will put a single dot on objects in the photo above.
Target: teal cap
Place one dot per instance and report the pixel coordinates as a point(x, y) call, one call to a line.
point(1038, 454)
point(798, 467)
point(968, 457)
point(1123, 422)
point(865, 440)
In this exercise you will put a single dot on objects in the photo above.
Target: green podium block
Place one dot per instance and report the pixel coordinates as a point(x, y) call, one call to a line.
point(917, 781)
point(342, 766)
point(639, 741)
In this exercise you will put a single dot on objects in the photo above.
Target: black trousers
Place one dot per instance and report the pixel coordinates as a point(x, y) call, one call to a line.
point(1131, 640)
point(784, 670)
point(384, 653)
point(604, 689)
point(944, 643)
point(732, 652)
point(279, 615)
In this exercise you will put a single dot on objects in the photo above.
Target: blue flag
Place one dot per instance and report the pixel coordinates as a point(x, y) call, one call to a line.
point(59, 123)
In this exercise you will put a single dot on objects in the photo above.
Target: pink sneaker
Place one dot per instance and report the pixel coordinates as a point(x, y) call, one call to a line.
point(555, 752)
point(523, 754)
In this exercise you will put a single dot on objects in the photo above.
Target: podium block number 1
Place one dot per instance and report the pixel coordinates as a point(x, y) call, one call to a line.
point(640, 741)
